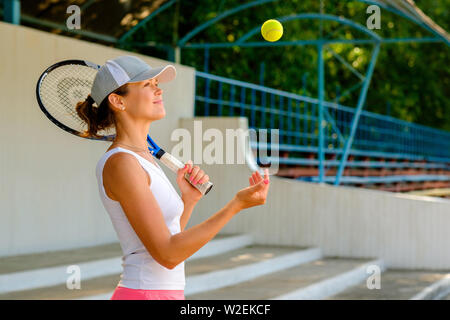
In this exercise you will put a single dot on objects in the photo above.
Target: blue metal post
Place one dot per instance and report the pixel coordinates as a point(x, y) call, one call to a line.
point(305, 123)
point(242, 101)
point(320, 111)
point(289, 121)
point(11, 11)
point(272, 116)
point(219, 111)
point(305, 110)
point(263, 114)
point(171, 54)
point(297, 122)
point(262, 67)
point(206, 61)
point(253, 110)
point(280, 117)
point(361, 101)
point(304, 82)
point(232, 92)
point(205, 69)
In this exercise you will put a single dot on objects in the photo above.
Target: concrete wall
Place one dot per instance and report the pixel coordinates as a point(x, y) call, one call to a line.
point(48, 190)
point(406, 231)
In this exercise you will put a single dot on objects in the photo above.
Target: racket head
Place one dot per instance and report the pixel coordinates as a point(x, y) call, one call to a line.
point(58, 90)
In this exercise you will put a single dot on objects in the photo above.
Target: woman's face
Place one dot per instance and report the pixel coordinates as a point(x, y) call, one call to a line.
point(144, 100)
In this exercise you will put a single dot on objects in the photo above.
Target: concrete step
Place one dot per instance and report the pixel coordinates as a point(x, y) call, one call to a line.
point(395, 285)
point(201, 273)
point(439, 290)
point(243, 265)
point(33, 271)
point(236, 266)
point(92, 287)
point(313, 280)
point(42, 260)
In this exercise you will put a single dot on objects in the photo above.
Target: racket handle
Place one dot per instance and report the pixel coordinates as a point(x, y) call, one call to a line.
point(174, 164)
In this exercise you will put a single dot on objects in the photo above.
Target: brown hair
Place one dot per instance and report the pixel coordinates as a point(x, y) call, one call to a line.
point(100, 117)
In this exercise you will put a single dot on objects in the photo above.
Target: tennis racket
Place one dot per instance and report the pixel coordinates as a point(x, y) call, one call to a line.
point(62, 85)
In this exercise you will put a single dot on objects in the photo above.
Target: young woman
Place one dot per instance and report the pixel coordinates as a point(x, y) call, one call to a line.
point(147, 213)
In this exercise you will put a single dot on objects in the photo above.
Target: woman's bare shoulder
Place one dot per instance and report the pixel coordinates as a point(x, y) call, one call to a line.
point(123, 167)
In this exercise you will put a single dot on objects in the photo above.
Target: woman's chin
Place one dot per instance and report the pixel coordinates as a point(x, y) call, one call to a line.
point(159, 115)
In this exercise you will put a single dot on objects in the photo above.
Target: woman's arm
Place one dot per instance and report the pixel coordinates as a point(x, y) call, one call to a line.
point(188, 208)
point(128, 182)
point(184, 244)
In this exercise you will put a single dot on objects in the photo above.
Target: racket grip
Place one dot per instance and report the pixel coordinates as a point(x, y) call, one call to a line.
point(174, 164)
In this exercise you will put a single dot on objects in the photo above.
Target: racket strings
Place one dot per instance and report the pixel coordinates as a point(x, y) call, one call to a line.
point(61, 90)
point(68, 90)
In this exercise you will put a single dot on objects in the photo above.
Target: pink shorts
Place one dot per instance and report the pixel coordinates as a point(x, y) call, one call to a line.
point(122, 293)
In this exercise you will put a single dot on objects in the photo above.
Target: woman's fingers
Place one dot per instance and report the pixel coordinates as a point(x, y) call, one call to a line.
point(193, 172)
point(204, 179)
point(258, 177)
point(189, 165)
point(266, 176)
point(198, 175)
point(184, 170)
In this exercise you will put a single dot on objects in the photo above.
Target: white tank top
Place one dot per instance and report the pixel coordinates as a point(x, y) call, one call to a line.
point(140, 270)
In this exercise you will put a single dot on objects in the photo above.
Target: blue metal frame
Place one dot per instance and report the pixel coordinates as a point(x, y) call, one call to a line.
point(86, 5)
point(144, 21)
point(320, 122)
point(324, 121)
point(361, 101)
point(398, 12)
point(221, 16)
point(183, 42)
point(322, 17)
point(401, 139)
point(11, 11)
point(320, 43)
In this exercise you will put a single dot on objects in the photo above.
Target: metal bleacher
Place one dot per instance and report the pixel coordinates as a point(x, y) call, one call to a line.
point(387, 153)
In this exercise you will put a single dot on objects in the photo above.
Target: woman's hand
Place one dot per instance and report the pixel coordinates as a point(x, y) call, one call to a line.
point(256, 193)
point(188, 192)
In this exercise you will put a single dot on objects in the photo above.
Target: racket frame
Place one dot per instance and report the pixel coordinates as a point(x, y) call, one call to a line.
point(154, 149)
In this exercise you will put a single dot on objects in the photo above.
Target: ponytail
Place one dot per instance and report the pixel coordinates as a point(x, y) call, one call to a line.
point(97, 118)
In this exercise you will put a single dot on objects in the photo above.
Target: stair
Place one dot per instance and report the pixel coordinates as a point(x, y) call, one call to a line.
point(396, 285)
point(44, 275)
point(228, 267)
point(312, 280)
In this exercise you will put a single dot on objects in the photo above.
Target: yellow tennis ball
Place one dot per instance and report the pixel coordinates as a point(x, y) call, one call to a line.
point(272, 30)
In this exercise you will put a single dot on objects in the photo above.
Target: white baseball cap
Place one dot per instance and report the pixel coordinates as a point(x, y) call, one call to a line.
point(126, 69)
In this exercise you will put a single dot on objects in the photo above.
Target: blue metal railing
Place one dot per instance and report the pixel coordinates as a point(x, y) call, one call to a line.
point(296, 117)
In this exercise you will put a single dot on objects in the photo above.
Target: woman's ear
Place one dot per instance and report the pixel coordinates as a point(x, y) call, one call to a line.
point(116, 101)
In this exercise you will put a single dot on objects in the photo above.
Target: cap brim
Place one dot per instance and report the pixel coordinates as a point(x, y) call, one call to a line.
point(163, 74)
